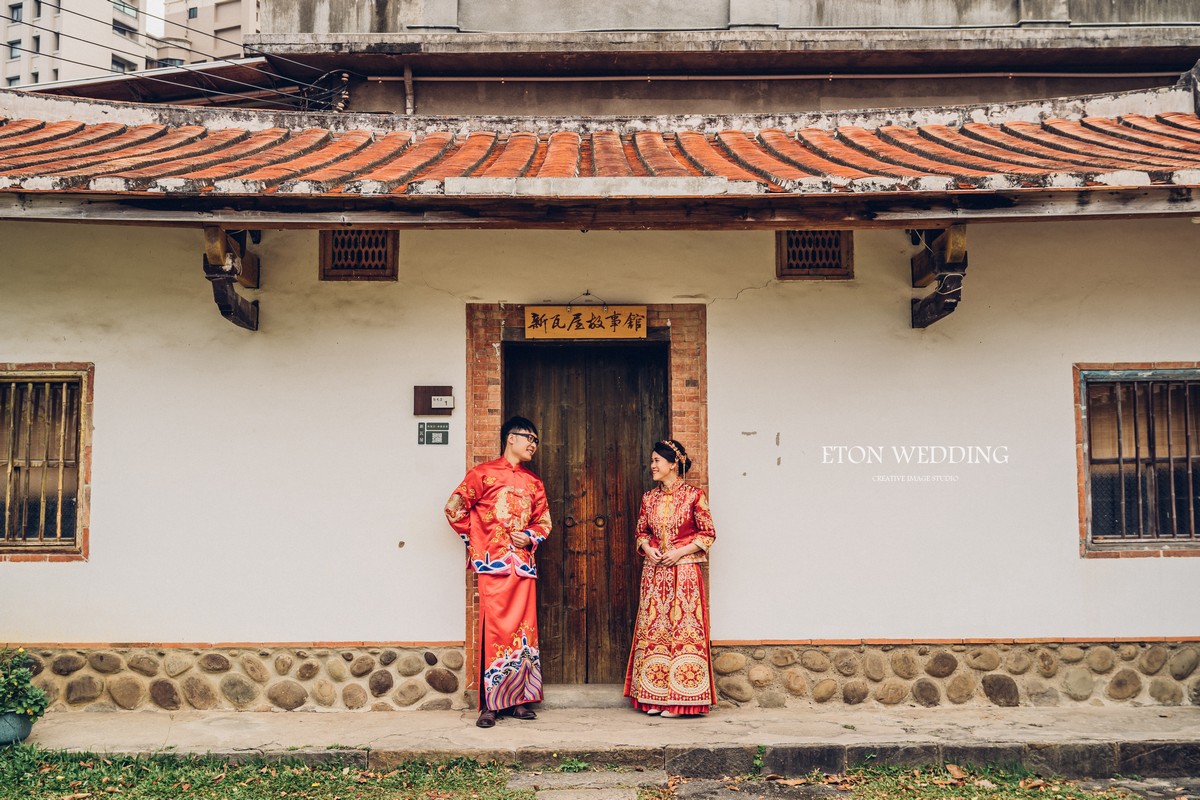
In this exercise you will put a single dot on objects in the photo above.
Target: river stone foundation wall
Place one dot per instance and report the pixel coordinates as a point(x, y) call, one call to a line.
point(1038, 674)
point(251, 678)
point(396, 678)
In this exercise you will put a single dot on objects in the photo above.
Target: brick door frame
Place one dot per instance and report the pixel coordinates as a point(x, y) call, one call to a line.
point(489, 325)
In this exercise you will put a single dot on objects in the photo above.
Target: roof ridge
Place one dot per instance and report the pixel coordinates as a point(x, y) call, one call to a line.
point(1149, 102)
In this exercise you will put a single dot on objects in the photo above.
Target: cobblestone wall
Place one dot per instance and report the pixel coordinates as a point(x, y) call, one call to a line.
point(1041, 674)
point(421, 678)
point(252, 679)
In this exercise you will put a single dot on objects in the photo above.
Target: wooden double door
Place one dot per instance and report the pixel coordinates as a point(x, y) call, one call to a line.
point(599, 408)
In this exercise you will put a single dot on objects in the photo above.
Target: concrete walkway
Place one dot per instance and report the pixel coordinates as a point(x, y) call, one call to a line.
point(1073, 742)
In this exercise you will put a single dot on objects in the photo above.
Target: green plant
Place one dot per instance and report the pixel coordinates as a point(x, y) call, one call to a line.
point(572, 764)
point(757, 764)
point(18, 695)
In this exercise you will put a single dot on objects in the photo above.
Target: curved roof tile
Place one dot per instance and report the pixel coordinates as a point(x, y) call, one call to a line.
point(1189, 122)
point(783, 145)
point(515, 158)
point(871, 143)
point(64, 166)
point(609, 155)
point(712, 161)
point(325, 179)
point(463, 158)
point(386, 176)
point(19, 127)
point(215, 148)
point(831, 146)
point(1032, 144)
point(1091, 138)
point(956, 140)
point(562, 156)
point(227, 159)
point(267, 177)
point(652, 149)
point(293, 147)
point(1160, 126)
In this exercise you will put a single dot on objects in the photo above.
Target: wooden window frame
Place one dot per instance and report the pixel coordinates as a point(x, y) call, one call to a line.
point(1140, 372)
point(329, 273)
point(84, 373)
point(788, 272)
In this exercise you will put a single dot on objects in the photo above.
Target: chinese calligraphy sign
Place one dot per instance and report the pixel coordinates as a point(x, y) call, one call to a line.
point(585, 322)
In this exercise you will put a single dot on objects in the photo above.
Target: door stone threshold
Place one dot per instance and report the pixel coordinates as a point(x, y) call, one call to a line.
point(584, 695)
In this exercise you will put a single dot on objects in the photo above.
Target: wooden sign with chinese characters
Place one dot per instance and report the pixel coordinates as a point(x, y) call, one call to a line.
point(585, 322)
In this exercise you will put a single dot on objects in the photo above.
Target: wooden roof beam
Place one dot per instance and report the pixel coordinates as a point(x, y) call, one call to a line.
point(227, 262)
point(944, 261)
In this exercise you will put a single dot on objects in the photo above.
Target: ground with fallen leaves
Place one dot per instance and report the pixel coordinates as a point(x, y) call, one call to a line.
point(951, 782)
point(30, 773)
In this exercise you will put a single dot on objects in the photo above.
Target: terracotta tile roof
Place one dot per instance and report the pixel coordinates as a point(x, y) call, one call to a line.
point(609, 155)
point(385, 149)
point(396, 172)
point(193, 160)
point(562, 156)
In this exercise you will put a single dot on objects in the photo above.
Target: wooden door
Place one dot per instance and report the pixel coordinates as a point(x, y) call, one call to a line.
point(599, 408)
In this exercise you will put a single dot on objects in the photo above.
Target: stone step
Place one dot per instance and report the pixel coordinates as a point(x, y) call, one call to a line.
point(610, 793)
point(754, 790)
point(587, 781)
point(584, 695)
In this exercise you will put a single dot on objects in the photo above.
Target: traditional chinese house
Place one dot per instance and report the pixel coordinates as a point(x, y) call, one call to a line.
point(927, 324)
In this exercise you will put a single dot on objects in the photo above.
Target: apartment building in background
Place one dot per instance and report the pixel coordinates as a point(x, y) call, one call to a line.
point(196, 31)
point(51, 40)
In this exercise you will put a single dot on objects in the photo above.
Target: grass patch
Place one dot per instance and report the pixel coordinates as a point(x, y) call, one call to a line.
point(31, 773)
point(948, 783)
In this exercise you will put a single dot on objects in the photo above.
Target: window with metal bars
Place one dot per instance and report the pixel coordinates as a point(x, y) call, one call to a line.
point(820, 255)
point(42, 425)
point(1141, 452)
point(359, 255)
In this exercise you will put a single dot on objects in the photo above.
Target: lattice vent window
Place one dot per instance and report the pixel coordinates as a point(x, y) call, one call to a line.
point(822, 255)
point(1142, 457)
point(43, 491)
point(359, 255)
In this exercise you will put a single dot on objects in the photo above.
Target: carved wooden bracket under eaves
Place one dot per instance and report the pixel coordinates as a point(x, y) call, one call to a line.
point(228, 262)
point(942, 260)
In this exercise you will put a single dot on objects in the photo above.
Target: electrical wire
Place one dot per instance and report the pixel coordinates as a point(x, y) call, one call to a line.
point(190, 50)
point(171, 83)
point(183, 67)
point(67, 36)
point(237, 44)
point(324, 96)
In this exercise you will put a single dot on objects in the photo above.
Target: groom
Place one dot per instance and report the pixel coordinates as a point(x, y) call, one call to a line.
point(500, 512)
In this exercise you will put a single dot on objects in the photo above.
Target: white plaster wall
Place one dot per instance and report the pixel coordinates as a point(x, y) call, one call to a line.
point(254, 486)
point(832, 553)
point(247, 486)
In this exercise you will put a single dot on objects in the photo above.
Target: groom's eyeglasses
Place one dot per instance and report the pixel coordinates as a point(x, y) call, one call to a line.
point(532, 439)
